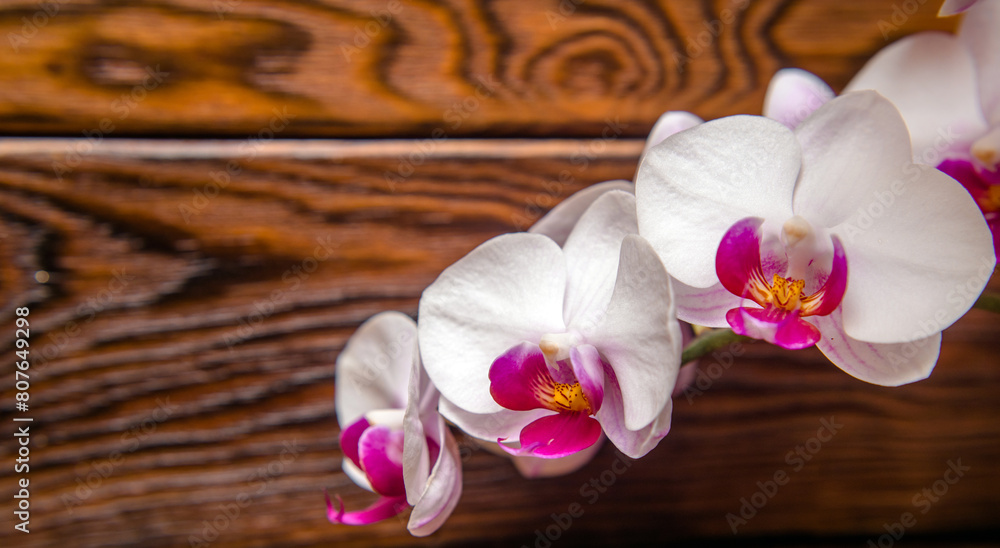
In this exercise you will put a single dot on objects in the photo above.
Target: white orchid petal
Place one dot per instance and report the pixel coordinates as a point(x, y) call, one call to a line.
point(931, 79)
point(639, 335)
point(694, 186)
point(980, 36)
point(882, 364)
point(793, 94)
point(442, 490)
point(918, 254)
point(954, 7)
point(374, 366)
point(489, 427)
point(704, 306)
point(592, 251)
point(420, 422)
point(560, 220)
point(852, 146)
point(670, 123)
point(633, 443)
point(506, 291)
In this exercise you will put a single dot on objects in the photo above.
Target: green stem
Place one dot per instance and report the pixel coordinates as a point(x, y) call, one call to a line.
point(988, 301)
point(709, 342)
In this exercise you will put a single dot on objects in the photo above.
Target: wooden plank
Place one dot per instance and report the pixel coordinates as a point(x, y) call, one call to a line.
point(188, 330)
point(381, 68)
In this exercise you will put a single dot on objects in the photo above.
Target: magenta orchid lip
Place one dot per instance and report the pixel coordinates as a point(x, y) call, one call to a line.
point(520, 380)
point(782, 301)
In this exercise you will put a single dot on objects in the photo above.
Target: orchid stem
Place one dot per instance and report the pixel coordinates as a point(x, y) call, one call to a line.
point(988, 301)
point(709, 342)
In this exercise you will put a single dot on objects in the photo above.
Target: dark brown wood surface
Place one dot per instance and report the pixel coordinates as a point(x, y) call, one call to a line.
point(393, 67)
point(189, 296)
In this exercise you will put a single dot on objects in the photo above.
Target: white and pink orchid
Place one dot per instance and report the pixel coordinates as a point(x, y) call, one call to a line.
point(550, 346)
point(947, 89)
point(557, 224)
point(827, 234)
point(394, 441)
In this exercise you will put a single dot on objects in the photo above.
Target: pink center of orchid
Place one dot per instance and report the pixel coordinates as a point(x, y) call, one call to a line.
point(376, 450)
point(568, 380)
point(569, 398)
point(784, 293)
point(783, 301)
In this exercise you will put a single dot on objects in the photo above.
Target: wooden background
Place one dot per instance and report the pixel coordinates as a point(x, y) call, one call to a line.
point(219, 193)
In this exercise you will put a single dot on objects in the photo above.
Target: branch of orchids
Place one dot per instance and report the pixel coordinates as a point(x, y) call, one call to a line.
point(988, 301)
point(710, 342)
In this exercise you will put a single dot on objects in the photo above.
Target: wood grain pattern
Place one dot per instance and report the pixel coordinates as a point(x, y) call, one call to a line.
point(189, 328)
point(413, 68)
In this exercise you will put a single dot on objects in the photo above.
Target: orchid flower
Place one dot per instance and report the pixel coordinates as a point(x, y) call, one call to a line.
point(947, 89)
point(550, 346)
point(395, 443)
point(557, 225)
point(825, 235)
